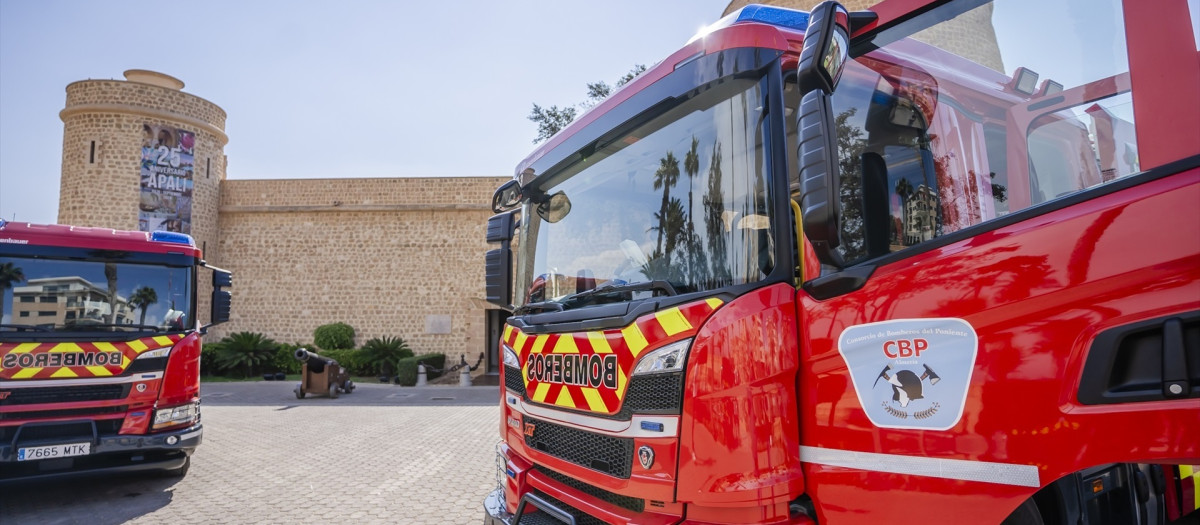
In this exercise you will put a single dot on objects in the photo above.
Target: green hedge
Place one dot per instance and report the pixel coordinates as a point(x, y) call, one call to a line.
point(334, 336)
point(352, 360)
point(208, 360)
point(406, 369)
point(285, 360)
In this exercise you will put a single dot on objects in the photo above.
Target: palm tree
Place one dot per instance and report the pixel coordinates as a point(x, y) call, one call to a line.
point(110, 274)
point(10, 274)
point(666, 177)
point(142, 298)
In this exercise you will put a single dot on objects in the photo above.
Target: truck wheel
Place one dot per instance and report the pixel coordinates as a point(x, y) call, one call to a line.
point(178, 472)
point(299, 393)
point(349, 386)
point(333, 391)
point(1026, 514)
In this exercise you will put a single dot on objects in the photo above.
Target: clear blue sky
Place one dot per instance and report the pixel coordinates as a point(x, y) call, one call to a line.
point(323, 89)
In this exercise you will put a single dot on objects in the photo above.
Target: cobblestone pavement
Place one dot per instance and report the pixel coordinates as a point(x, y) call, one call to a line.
point(298, 462)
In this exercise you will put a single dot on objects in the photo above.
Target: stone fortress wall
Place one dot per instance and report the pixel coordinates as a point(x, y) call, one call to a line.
point(391, 257)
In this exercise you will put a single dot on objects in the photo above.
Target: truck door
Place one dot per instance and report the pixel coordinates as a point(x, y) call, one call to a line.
point(1006, 200)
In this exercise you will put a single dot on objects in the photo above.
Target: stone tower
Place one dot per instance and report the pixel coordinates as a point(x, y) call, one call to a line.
point(970, 36)
point(142, 154)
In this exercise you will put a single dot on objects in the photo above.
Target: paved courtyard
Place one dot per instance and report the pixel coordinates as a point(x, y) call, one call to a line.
point(383, 454)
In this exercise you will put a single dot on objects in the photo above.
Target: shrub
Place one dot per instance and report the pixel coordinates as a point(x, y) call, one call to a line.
point(350, 359)
point(245, 352)
point(335, 336)
point(208, 360)
point(382, 353)
point(285, 360)
point(406, 369)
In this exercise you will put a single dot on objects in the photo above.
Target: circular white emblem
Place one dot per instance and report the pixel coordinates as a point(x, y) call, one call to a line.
point(645, 456)
point(141, 387)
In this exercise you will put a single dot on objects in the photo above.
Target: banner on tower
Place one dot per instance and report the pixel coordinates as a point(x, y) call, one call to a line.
point(166, 169)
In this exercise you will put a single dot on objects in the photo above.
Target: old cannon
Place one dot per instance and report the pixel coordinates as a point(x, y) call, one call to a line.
point(321, 375)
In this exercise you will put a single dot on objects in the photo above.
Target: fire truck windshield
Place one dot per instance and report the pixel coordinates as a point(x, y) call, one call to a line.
point(680, 203)
point(56, 295)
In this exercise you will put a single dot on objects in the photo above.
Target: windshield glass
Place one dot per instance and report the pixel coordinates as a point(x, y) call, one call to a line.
point(88, 296)
point(680, 204)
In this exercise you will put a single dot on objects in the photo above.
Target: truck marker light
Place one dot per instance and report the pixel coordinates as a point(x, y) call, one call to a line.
point(652, 426)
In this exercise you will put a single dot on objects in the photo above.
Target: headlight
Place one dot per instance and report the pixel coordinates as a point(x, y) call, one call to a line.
point(182, 414)
point(669, 358)
point(510, 358)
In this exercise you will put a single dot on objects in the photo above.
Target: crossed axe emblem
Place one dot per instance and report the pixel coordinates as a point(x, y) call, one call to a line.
point(906, 385)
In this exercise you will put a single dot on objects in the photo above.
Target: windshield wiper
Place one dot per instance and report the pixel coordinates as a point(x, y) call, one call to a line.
point(630, 287)
point(538, 308)
point(24, 327)
point(75, 327)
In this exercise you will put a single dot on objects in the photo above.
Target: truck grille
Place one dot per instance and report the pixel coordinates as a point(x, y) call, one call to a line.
point(66, 429)
point(653, 394)
point(513, 381)
point(74, 412)
point(581, 518)
point(625, 502)
point(67, 394)
point(650, 394)
point(606, 454)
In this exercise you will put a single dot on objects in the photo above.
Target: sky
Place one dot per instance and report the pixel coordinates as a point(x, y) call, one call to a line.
point(360, 88)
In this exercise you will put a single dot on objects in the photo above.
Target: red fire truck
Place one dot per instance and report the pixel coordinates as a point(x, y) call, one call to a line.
point(99, 350)
point(936, 262)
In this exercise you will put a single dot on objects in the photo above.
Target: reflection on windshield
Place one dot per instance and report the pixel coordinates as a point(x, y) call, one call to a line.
point(681, 200)
point(61, 295)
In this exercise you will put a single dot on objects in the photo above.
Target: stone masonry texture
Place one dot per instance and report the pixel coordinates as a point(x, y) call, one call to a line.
point(383, 255)
point(379, 254)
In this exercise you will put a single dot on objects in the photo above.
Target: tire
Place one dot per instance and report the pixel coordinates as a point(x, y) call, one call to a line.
point(1026, 514)
point(333, 391)
point(178, 472)
point(349, 386)
point(299, 393)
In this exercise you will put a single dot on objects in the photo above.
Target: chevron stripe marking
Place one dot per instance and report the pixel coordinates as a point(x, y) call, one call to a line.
point(672, 321)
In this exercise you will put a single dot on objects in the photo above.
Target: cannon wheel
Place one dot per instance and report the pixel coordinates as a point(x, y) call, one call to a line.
point(299, 392)
point(333, 391)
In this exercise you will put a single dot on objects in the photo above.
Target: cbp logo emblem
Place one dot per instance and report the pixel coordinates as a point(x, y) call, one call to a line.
point(911, 373)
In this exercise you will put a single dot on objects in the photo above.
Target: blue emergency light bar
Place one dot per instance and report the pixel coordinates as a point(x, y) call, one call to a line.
point(764, 14)
point(776, 16)
point(177, 238)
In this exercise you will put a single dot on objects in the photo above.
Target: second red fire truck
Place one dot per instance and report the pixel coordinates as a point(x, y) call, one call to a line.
point(100, 350)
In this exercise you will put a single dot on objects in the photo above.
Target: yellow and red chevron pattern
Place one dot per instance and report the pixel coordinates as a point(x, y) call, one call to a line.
point(590, 349)
point(75, 359)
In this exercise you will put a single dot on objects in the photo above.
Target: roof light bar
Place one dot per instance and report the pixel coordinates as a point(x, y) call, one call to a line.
point(777, 16)
point(175, 237)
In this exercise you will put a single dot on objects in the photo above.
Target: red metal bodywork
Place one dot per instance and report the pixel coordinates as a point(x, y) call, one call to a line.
point(765, 377)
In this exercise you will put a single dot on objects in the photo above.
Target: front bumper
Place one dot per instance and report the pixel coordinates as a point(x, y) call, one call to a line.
point(109, 454)
point(493, 509)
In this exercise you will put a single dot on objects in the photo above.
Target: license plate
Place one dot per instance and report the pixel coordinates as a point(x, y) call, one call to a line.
point(54, 451)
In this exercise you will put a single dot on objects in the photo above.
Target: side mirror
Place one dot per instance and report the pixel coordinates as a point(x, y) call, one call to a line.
point(555, 208)
point(825, 51)
point(507, 197)
point(498, 262)
point(222, 300)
